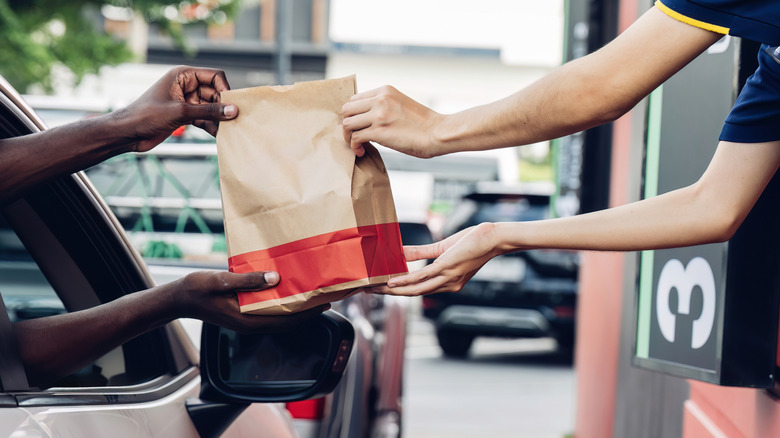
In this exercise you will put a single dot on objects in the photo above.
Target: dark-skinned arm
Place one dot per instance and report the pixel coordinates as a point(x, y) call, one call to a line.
point(55, 346)
point(185, 95)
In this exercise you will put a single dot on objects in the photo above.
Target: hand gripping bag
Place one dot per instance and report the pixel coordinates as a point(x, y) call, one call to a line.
point(296, 200)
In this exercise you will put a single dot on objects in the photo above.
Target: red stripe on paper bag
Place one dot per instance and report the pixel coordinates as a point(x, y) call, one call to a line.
point(325, 260)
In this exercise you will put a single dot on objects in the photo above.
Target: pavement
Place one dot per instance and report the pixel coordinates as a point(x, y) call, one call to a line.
point(518, 388)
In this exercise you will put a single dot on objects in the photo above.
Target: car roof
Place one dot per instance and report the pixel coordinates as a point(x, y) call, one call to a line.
point(493, 191)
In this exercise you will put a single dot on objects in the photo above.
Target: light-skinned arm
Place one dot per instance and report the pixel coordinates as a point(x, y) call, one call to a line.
point(707, 211)
point(581, 94)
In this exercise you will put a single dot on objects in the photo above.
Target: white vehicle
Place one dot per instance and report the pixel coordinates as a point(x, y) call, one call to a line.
point(62, 249)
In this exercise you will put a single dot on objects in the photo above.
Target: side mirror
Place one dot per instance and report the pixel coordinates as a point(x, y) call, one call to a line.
point(305, 362)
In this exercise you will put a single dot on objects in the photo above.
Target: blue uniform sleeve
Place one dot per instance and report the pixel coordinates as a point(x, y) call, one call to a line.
point(757, 20)
point(756, 115)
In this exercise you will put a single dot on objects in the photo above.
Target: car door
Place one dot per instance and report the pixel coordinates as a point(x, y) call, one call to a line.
point(61, 250)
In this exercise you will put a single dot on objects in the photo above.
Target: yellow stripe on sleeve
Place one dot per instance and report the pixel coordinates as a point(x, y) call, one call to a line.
point(692, 21)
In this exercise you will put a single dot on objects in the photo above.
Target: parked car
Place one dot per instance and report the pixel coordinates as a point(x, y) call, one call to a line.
point(522, 294)
point(62, 249)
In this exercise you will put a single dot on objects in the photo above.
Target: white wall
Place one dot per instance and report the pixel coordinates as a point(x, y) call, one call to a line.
point(528, 34)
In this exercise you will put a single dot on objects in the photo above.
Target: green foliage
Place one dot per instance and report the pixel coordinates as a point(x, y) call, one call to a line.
point(39, 34)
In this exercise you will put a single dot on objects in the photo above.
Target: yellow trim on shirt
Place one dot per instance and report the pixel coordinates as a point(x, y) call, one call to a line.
point(692, 21)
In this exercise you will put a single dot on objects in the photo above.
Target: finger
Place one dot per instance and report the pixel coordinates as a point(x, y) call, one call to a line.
point(433, 250)
point(208, 126)
point(203, 94)
point(357, 122)
point(423, 274)
point(215, 77)
point(359, 150)
point(355, 107)
point(366, 94)
point(187, 81)
point(380, 289)
point(357, 147)
point(355, 134)
point(251, 281)
point(429, 286)
point(209, 111)
point(421, 252)
point(359, 140)
point(190, 78)
point(347, 134)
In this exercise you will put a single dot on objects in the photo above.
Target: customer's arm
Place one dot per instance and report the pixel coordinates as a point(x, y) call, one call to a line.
point(185, 95)
point(708, 211)
point(586, 92)
point(55, 346)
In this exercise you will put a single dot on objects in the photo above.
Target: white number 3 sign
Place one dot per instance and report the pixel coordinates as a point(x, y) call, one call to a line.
point(675, 276)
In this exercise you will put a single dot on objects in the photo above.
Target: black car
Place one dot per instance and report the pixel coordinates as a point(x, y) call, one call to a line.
point(522, 294)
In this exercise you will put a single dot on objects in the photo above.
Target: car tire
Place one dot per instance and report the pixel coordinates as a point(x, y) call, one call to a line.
point(566, 339)
point(566, 346)
point(455, 344)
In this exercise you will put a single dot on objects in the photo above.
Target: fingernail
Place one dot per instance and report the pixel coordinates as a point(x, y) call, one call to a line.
point(271, 277)
point(229, 110)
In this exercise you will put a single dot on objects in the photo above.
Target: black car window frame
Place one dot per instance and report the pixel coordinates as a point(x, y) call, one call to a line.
point(99, 266)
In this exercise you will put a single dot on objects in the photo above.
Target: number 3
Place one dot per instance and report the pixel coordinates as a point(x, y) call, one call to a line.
point(684, 279)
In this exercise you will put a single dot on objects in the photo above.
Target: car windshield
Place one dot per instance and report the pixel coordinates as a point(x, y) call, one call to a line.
point(509, 210)
point(470, 212)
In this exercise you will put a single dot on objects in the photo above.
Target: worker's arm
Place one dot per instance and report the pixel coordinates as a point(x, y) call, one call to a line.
point(581, 94)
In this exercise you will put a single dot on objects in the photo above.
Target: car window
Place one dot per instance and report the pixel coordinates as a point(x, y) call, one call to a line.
point(28, 295)
point(60, 252)
point(509, 210)
point(26, 291)
point(469, 212)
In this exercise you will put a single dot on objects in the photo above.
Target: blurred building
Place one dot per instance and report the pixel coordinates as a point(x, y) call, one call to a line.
point(268, 42)
point(448, 55)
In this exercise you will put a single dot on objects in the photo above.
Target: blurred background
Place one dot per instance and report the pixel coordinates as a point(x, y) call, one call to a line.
point(494, 360)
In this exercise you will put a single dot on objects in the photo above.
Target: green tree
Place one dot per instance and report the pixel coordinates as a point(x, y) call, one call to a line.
point(36, 35)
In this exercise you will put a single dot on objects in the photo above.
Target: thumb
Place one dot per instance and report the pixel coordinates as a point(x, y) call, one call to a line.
point(209, 111)
point(254, 281)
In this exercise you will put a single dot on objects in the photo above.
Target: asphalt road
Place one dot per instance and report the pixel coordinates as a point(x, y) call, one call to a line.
point(507, 388)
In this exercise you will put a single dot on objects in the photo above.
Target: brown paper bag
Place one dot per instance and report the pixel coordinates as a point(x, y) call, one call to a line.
point(296, 200)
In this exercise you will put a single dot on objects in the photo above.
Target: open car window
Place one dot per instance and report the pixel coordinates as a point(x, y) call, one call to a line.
point(61, 252)
point(28, 294)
